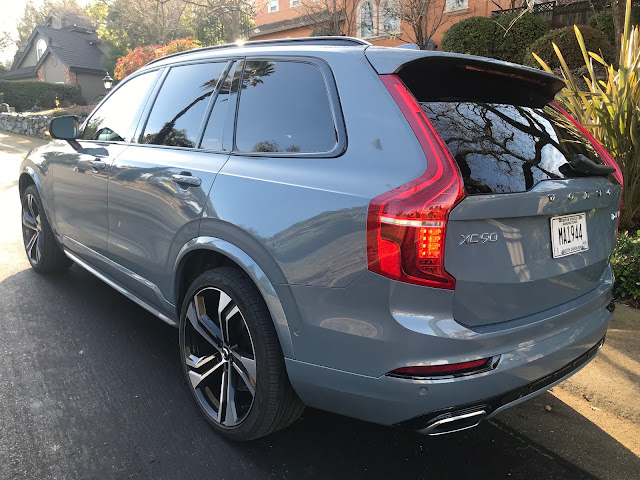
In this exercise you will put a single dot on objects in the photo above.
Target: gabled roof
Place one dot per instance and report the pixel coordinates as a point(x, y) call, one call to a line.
point(76, 48)
point(24, 72)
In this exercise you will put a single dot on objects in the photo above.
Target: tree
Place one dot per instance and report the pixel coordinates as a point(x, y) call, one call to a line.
point(35, 15)
point(332, 17)
point(234, 15)
point(421, 18)
point(141, 55)
point(618, 9)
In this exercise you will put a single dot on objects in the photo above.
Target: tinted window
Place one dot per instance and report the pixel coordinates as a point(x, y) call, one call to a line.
point(284, 107)
point(179, 110)
point(112, 121)
point(213, 134)
point(504, 148)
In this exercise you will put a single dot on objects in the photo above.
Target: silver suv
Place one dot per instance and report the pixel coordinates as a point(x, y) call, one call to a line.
point(412, 238)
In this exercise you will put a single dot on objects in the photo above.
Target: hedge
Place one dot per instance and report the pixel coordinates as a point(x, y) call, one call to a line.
point(626, 266)
point(26, 95)
point(492, 37)
point(565, 39)
point(603, 21)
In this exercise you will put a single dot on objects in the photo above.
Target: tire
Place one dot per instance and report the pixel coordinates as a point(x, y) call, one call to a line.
point(233, 359)
point(40, 244)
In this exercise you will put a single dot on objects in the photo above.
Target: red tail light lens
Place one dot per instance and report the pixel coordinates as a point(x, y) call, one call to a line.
point(600, 150)
point(406, 227)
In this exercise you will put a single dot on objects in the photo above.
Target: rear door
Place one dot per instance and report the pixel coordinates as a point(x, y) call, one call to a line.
point(531, 234)
point(159, 186)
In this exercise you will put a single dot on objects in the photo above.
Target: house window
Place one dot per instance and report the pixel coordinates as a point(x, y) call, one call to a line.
point(294, 3)
point(41, 46)
point(453, 5)
point(366, 16)
point(273, 5)
point(390, 20)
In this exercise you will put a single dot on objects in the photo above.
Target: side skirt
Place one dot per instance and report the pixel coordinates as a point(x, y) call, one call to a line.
point(120, 289)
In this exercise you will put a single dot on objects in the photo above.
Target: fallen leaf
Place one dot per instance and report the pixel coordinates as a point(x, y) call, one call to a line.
point(547, 408)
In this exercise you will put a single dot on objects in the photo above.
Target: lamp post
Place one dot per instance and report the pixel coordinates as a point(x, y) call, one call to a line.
point(107, 82)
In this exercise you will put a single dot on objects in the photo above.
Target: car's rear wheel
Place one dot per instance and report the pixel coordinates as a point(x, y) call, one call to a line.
point(232, 358)
point(40, 245)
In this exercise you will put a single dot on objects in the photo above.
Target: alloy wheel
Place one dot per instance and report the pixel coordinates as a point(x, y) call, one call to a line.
point(31, 228)
point(220, 357)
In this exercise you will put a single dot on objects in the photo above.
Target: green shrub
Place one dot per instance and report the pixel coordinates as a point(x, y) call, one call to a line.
point(492, 37)
point(626, 266)
point(513, 45)
point(473, 36)
point(603, 21)
point(565, 39)
point(25, 95)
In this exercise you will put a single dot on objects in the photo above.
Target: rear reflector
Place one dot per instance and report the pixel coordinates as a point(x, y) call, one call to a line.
point(406, 227)
point(440, 370)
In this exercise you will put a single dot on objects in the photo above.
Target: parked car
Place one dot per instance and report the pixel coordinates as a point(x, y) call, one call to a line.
point(412, 238)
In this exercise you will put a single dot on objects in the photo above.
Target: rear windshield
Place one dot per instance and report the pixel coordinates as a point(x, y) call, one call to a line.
point(504, 148)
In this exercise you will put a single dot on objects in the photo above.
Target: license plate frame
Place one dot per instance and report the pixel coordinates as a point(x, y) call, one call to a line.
point(569, 235)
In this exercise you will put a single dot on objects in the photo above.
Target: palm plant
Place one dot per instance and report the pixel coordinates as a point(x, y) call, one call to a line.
point(610, 109)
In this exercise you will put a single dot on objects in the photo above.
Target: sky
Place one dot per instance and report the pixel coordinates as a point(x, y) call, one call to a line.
point(11, 11)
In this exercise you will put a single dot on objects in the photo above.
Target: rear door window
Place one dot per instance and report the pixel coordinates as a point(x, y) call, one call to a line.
point(284, 107)
point(177, 114)
point(504, 148)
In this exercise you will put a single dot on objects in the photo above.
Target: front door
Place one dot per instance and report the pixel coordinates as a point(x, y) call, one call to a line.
point(81, 175)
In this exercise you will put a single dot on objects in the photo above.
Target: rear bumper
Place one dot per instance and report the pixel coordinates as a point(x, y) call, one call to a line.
point(533, 357)
point(429, 423)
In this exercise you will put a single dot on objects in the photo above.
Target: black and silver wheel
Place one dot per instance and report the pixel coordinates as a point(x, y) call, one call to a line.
point(232, 359)
point(40, 244)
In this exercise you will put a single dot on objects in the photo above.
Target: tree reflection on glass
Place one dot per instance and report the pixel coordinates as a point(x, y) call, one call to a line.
point(180, 107)
point(501, 148)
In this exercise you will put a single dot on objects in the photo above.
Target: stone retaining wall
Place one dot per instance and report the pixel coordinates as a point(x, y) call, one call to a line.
point(32, 125)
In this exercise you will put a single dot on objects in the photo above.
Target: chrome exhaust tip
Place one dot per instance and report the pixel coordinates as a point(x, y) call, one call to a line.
point(454, 422)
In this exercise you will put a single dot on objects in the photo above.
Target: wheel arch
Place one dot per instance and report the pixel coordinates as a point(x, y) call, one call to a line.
point(205, 252)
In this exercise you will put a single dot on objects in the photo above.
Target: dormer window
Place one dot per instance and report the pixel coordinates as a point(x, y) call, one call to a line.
point(41, 46)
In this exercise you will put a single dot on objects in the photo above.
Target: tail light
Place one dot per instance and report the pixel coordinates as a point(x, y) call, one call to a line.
point(607, 158)
point(406, 227)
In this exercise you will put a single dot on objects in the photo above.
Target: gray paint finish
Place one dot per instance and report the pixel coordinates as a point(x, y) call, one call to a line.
point(296, 225)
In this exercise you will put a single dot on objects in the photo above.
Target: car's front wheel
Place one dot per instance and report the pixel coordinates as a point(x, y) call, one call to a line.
point(40, 245)
point(232, 358)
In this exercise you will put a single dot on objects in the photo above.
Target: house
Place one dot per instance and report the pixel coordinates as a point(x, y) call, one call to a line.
point(65, 49)
point(377, 21)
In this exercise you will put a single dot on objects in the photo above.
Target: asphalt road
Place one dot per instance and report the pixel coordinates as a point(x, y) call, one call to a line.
point(91, 387)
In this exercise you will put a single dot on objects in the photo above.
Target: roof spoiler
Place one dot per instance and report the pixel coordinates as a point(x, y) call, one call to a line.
point(442, 76)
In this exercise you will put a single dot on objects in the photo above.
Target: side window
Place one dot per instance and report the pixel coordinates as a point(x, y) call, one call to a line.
point(178, 112)
point(284, 107)
point(112, 121)
point(213, 134)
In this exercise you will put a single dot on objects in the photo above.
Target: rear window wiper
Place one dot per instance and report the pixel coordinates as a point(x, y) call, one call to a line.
point(581, 166)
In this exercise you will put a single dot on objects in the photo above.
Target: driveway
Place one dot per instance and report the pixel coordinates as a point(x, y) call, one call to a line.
point(91, 387)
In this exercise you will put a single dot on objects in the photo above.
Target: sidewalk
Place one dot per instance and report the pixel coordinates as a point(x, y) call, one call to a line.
point(594, 421)
point(20, 143)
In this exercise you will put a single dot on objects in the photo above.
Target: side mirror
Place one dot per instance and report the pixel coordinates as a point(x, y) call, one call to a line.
point(64, 128)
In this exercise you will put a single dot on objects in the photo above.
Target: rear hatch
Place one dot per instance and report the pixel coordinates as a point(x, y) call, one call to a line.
point(532, 233)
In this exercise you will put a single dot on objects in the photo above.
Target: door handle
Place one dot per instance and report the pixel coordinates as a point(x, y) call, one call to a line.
point(187, 180)
point(97, 164)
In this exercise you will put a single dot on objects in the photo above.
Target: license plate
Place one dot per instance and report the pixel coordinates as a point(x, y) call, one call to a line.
point(569, 235)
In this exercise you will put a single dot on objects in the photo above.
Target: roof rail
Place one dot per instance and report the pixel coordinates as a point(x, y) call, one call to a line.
point(325, 41)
